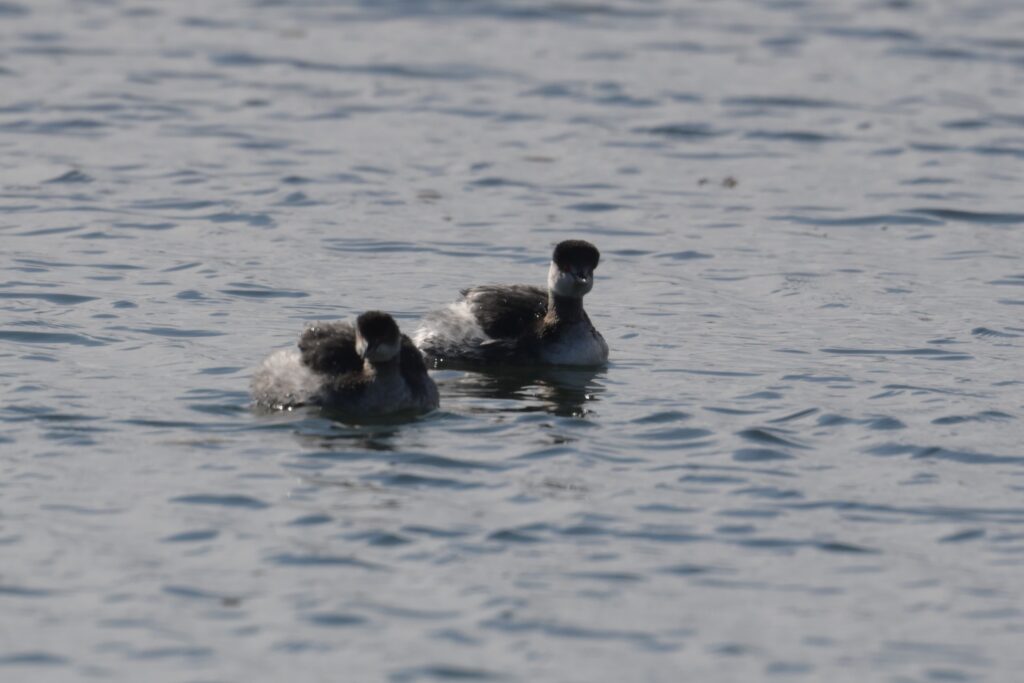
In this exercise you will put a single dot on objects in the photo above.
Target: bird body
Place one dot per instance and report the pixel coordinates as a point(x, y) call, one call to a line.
point(369, 368)
point(521, 324)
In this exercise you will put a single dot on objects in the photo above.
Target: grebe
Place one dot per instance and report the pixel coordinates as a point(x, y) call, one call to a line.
point(369, 368)
point(522, 324)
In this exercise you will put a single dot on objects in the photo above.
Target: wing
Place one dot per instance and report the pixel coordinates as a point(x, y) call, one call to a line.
point(412, 367)
point(410, 360)
point(505, 311)
point(330, 348)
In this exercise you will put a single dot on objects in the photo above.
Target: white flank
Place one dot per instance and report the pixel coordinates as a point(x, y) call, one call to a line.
point(282, 380)
point(451, 327)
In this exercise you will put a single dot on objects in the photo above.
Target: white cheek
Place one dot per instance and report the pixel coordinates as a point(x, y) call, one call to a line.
point(562, 284)
point(360, 346)
point(553, 274)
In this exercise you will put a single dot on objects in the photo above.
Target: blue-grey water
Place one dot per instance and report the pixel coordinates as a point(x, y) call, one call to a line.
point(805, 461)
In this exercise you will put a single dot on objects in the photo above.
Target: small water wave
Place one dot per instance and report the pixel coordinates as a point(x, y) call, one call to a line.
point(963, 536)
point(33, 658)
point(74, 127)
point(224, 500)
point(141, 225)
point(1013, 280)
point(52, 298)
point(565, 630)
point(928, 353)
point(983, 416)
point(336, 619)
point(982, 217)
point(453, 71)
point(606, 93)
point(192, 536)
point(248, 290)
point(798, 136)
point(684, 131)
point(881, 33)
point(24, 592)
point(782, 262)
point(175, 204)
point(255, 220)
point(800, 414)
point(993, 334)
point(943, 513)
point(321, 561)
point(759, 455)
point(859, 221)
point(940, 453)
point(502, 10)
point(51, 338)
point(595, 207)
point(168, 332)
point(72, 176)
point(688, 255)
point(444, 672)
point(771, 437)
point(410, 480)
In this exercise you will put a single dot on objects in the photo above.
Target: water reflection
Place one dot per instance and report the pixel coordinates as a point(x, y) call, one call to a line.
point(795, 249)
point(561, 391)
point(333, 431)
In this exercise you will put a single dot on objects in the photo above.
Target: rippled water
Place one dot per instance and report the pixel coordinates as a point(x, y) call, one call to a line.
point(804, 462)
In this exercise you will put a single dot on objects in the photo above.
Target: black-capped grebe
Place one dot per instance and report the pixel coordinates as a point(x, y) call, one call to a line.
point(369, 368)
point(521, 324)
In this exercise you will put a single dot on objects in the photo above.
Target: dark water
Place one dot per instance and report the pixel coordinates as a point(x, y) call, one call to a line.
point(804, 463)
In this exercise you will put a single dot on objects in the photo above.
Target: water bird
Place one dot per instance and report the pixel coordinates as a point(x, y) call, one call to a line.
point(366, 369)
point(521, 324)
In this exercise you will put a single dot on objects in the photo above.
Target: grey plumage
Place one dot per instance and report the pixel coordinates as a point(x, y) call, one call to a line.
point(521, 324)
point(328, 370)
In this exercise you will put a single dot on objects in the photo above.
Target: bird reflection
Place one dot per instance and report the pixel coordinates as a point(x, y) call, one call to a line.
point(559, 391)
point(332, 433)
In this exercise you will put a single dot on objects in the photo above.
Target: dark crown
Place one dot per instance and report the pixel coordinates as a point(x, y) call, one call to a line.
point(575, 253)
point(377, 325)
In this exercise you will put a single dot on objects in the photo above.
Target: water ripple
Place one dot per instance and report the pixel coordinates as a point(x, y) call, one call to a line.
point(53, 338)
point(315, 561)
point(934, 354)
point(451, 71)
point(939, 453)
point(801, 209)
point(33, 659)
point(226, 500)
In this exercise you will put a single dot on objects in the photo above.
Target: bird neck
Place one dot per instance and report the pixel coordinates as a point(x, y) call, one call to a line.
point(564, 309)
point(383, 369)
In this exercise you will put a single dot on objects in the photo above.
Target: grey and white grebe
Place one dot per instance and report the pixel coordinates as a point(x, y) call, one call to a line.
point(365, 369)
point(521, 324)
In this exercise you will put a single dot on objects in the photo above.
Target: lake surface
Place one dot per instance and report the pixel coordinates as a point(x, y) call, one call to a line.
point(804, 462)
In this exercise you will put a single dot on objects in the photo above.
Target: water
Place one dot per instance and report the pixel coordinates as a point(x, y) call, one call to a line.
point(804, 462)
